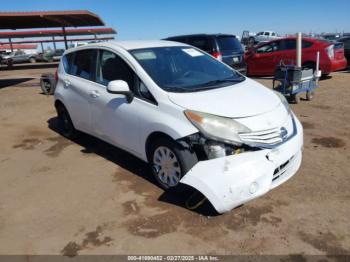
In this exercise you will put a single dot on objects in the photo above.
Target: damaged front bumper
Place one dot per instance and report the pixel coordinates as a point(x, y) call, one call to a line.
point(230, 181)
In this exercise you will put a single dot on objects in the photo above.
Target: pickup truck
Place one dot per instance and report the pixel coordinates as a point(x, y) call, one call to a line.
point(261, 37)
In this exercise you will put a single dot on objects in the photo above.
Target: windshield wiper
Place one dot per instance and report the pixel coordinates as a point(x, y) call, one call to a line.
point(213, 83)
point(177, 89)
point(208, 85)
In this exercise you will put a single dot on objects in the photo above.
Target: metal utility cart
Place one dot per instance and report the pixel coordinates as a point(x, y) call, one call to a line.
point(291, 80)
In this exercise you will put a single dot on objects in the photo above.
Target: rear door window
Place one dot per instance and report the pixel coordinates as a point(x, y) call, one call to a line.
point(227, 43)
point(307, 44)
point(84, 64)
point(269, 48)
point(67, 61)
point(289, 44)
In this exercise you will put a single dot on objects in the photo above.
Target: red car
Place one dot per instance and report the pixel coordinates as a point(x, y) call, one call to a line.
point(262, 59)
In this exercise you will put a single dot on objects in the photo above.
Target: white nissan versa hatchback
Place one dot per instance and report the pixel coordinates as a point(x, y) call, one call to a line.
point(192, 118)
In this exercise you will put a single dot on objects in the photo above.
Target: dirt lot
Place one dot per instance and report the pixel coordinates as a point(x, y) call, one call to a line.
point(85, 197)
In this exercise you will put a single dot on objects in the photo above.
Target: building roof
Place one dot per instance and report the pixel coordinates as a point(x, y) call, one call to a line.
point(46, 19)
point(57, 32)
point(17, 46)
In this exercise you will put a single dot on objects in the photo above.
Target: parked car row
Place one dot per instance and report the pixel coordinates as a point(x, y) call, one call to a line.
point(262, 59)
point(20, 56)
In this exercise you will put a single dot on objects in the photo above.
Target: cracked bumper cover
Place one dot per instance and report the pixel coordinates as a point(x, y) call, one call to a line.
point(230, 181)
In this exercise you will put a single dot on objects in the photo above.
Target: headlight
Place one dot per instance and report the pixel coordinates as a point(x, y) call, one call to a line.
point(217, 127)
point(284, 102)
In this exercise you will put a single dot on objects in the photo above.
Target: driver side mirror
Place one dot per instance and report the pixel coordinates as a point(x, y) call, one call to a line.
point(120, 87)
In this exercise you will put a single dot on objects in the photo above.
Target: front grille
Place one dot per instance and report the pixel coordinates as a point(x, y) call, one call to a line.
point(279, 171)
point(267, 137)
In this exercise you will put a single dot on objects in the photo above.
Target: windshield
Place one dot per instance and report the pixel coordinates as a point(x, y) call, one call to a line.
point(185, 69)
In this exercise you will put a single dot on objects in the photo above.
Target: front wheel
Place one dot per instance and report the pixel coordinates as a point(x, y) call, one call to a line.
point(32, 60)
point(170, 162)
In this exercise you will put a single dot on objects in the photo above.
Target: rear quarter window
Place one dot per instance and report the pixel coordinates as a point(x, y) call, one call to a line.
point(67, 62)
point(203, 43)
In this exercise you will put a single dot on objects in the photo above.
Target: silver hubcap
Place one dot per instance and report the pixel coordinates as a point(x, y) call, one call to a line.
point(167, 166)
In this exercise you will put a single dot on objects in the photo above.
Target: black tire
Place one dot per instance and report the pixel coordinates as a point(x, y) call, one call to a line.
point(296, 98)
point(48, 84)
point(185, 158)
point(310, 95)
point(65, 123)
point(32, 60)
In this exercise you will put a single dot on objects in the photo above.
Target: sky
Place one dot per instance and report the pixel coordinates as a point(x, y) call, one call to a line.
point(147, 19)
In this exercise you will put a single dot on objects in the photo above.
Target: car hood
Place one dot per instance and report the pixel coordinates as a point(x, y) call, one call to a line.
point(244, 99)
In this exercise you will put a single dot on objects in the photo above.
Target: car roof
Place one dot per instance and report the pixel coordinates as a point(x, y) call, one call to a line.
point(130, 45)
point(195, 35)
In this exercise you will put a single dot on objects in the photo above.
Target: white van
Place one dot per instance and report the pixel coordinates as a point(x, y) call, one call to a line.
point(192, 118)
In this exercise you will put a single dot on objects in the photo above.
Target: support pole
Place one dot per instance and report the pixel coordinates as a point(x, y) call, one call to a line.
point(65, 37)
point(317, 73)
point(11, 46)
point(317, 62)
point(299, 49)
point(54, 43)
point(42, 47)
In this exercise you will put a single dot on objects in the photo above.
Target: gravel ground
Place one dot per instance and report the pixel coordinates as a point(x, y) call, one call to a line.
point(85, 197)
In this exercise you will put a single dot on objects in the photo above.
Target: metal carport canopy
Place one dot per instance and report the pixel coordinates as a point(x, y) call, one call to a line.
point(58, 32)
point(49, 19)
point(46, 19)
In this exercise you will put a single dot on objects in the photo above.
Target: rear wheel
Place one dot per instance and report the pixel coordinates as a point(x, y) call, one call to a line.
point(170, 161)
point(65, 123)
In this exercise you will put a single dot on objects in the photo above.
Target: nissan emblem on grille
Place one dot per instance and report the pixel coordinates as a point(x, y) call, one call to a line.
point(283, 133)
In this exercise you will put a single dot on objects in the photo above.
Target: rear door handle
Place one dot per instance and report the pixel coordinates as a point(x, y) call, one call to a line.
point(66, 83)
point(94, 94)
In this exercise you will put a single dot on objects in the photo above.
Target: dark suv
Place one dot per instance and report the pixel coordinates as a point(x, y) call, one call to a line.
point(225, 48)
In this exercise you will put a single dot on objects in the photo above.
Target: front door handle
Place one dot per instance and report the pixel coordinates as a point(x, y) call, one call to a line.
point(94, 94)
